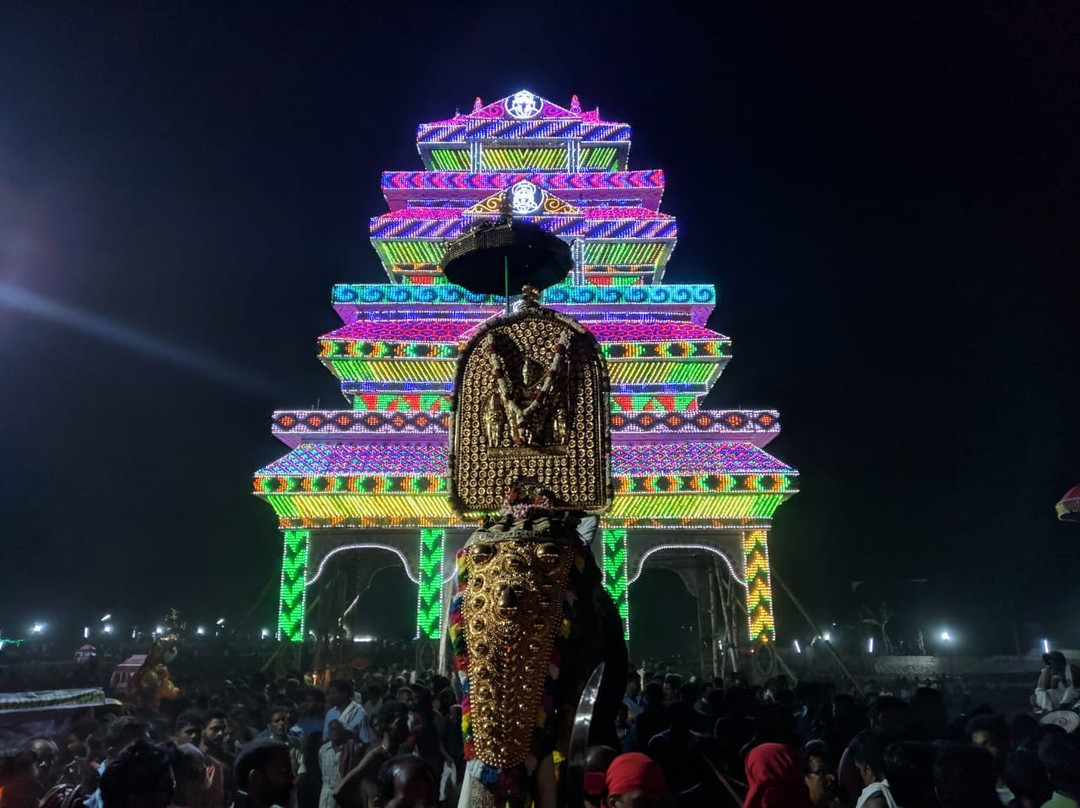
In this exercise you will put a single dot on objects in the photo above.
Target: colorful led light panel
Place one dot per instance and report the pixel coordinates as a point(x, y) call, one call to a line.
point(759, 605)
point(429, 604)
point(694, 458)
point(614, 553)
point(292, 601)
point(408, 330)
point(352, 459)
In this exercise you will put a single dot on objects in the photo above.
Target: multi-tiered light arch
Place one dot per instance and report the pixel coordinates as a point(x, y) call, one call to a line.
point(375, 474)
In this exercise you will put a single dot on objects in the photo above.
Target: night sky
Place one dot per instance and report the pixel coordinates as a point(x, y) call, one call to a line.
point(886, 199)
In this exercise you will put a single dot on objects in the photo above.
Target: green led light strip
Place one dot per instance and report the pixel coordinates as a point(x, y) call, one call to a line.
point(544, 159)
point(643, 402)
point(450, 159)
point(418, 370)
point(429, 605)
point(292, 601)
point(598, 158)
point(408, 252)
point(615, 576)
point(387, 350)
point(612, 253)
point(414, 402)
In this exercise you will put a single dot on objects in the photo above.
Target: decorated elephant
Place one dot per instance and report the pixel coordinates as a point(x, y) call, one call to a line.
point(529, 623)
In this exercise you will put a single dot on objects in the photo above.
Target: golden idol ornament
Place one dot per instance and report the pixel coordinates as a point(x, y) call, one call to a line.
point(531, 403)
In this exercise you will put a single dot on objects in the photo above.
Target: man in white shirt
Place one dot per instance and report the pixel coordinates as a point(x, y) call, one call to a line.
point(353, 718)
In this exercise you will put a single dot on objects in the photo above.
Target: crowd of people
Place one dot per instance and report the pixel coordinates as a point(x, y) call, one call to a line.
point(394, 739)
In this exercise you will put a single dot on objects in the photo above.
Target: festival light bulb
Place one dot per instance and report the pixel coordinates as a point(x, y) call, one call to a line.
point(107, 629)
point(827, 636)
point(1046, 646)
point(870, 646)
point(200, 631)
point(946, 636)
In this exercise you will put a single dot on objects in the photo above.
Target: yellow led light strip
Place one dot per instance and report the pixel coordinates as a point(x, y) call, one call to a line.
point(759, 600)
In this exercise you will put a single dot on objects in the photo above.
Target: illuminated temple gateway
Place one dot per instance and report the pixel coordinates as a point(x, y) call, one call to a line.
point(695, 489)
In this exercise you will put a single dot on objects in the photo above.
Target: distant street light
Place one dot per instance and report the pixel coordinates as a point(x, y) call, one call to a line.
point(827, 636)
point(946, 636)
point(107, 629)
point(200, 631)
point(38, 628)
point(264, 633)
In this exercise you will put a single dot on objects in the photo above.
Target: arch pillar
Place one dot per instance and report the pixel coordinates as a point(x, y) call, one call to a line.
point(292, 594)
point(759, 599)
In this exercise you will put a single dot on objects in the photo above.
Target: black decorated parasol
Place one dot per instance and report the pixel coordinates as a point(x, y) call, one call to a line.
point(506, 254)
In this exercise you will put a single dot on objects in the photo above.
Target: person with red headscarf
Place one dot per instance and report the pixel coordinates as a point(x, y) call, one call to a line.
point(635, 780)
point(775, 779)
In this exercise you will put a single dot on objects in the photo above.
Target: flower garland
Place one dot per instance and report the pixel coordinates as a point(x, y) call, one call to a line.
point(515, 415)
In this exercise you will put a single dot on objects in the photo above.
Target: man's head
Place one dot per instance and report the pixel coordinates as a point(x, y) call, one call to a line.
point(991, 733)
point(406, 781)
point(138, 777)
point(1060, 756)
point(189, 771)
point(819, 773)
point(964, 776)
point(1026, 777)
point(310, 702)
point(78, 739)
point(672, 685)
point(392, 721)
point(281, 718)
point(633, 684)
point(122, 731)
point(264, 772)
point(188, 728)
point(909, 768)
point(46, 756)
point(635, 781)
point(597, 760)
point(339, 693)
point(889, 713)
point(1056, 661)
point(868, 752)
point(214, 729)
